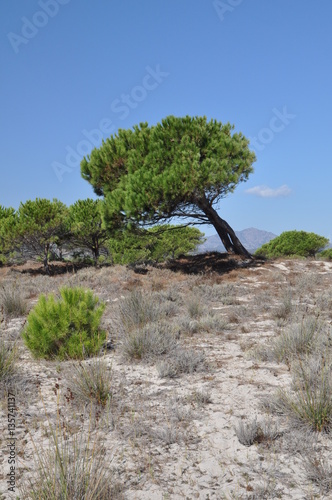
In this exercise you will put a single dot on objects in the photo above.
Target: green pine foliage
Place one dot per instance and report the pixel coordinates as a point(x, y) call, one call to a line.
point(180, 167)
point(325, 254)
point(65, 328)
point(85, 226)
point(157, 244)
point(7, 217)
point(35, 226)
point(293, 243)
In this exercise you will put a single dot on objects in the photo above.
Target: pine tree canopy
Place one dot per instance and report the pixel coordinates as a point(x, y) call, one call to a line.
point(180, 167)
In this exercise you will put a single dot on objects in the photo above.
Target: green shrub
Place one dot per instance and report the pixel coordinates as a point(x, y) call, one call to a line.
point(65, 328)
point(325, 254)
point(296, 243)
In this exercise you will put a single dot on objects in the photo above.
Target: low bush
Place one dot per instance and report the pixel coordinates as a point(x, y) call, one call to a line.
point(247, 432)
point(293, 243)
point(65, 328)
point(325, 254)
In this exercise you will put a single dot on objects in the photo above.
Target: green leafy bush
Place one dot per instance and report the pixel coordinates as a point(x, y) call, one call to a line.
point(65, 328)
point(156, 244)
point(296, 243)
point(325, 254)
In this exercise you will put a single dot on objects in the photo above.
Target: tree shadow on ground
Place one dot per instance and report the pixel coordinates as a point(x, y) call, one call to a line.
point(55, 269)
point(209, 262)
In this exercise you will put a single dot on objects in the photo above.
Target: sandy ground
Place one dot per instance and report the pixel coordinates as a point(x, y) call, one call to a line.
point(175, 437)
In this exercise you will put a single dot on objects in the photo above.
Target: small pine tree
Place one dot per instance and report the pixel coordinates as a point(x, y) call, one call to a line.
point(65, 328)
point(85, 226)
point(35, 227)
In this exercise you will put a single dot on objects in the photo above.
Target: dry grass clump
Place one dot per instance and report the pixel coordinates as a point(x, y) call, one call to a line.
point(213, 323)
point(73, 467)
point(324, 301)
point(12, 302)
point(309, 404)
point(201, 397)
point(221, 293)
point(168, 434)
point(178, 411)
point(148, 342)
point(254, 432)
point(247, 432)
point(210, 323)
point(307, 282)
point(182, 360)
point(194, 307)
point(298, 340)
point(90, 382)
point(34, 286)
point(12, 379)
point(137, 310)
point(8, 358)
point(318, 471)
point(286, 308)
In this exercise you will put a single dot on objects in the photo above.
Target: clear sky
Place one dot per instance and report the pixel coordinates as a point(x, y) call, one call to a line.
point(74, 71)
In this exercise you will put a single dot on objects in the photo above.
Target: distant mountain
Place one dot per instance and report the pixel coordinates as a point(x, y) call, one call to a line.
point(250, 238)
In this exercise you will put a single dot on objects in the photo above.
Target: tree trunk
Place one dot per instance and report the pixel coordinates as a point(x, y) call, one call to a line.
point(46, 267)
point(96, 253)
point(228, 237)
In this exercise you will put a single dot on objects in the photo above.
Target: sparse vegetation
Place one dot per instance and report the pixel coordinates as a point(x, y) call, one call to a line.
point(72, 467)
point(319, 471)
point(173, 374)
point(297, 340)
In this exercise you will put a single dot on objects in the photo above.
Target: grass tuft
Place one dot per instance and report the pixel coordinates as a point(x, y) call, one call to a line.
point(310, 404)
point(90, 382)
point(12, 301)
point(148, 342)
point(73, 467)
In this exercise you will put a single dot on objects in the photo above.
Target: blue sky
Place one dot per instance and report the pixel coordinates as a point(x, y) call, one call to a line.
point(74, 71)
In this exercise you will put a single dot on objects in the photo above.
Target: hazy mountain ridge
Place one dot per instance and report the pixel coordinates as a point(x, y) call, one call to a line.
point(251, 238)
